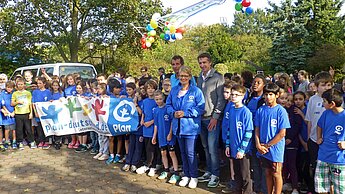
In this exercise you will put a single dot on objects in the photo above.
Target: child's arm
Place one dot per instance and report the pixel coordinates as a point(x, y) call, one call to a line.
point(276, 138)
point(169, 137)
point(319, 135)
point(261, 149)
point(142, 119)
point(304, 144)
point(149, 123)
point(154, 141)
point(245, 141)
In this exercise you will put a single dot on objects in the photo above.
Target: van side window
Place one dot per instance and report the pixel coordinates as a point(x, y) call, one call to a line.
point(83, 71)
point(49, 71)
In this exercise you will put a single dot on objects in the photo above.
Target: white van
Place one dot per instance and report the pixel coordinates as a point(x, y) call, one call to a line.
point(86, 71)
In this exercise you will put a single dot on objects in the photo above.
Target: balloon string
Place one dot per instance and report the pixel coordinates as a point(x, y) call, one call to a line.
point(137, 28)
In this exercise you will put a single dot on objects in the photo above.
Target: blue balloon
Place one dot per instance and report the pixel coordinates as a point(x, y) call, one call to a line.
point(167, 37)
point(149, 27)
point(249, 10)
point(173, 36)
point(238, 1)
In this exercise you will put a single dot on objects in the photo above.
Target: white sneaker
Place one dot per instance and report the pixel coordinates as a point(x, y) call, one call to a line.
point(152, 172)
point(205, 177)
point(133, 168)
point(184, 181)
point(193, 183)
point(294, 191)
point(287, 187)
point(103, 157)
point(142, 169)
point(97, 156)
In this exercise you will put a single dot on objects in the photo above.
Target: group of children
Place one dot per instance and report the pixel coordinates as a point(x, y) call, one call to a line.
point(277, 134)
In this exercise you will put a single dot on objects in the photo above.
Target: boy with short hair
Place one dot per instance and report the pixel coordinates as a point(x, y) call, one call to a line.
point(238, 142)
point(330, 168)
point(21, 100)
point(8, 112)
point(271, 122)
point(323, 82)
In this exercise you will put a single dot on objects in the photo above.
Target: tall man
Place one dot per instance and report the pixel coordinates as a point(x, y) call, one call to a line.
point(176, 63)
point(211, 84)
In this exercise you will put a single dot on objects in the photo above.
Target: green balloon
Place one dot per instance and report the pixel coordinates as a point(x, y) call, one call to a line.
point(238, 6)
point(162, 36)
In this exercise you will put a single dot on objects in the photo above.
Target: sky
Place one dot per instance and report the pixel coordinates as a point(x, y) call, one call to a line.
point(216, 13)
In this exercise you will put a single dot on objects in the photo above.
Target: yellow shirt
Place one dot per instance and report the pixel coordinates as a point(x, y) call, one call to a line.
point(24, 96)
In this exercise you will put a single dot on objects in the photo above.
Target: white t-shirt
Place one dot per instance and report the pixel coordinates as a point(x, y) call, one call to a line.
point(314, 111)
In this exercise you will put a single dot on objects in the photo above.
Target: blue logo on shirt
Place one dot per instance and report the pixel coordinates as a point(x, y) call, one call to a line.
point(338, 129)
point(274, 123)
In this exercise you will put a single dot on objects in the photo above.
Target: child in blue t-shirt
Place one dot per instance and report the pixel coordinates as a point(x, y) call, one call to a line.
point(8, 115)
point(330, 168)
point(238, 143)
point(70, 86)
point(271, 122)
point(56, 90)
point(147, 121)
point(164, 137)
point(41, 94)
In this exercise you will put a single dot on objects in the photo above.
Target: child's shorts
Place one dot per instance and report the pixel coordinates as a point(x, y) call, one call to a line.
point(275, 167)
point(10, 127)
point(327, 174)
point(34, 122)
point(169, 148)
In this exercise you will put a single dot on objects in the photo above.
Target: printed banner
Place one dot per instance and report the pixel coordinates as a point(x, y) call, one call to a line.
point(72, 115)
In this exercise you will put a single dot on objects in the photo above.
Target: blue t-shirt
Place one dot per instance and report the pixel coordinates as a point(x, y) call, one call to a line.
point(41, 96)
point(225, 121)
point(271, 120)
point(148, 106)
point(162, 121)
point(6, 102)
point(140, 128)
point(70, 91)
point(253, 104)
point(332, 126)
point(304, 129)
point(240, 123)
point(57, 95)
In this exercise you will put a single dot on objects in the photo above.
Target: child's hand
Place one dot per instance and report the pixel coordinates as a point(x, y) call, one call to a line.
point(262, 149)
point(227, 152)
point(298, 111)
point(239, 155)
point(341, 145)
point(169, 137)
point(12, 114)
point(287, 141)
point(141, 139)
point(30, 116)
point(179, 114)
point(319, 141)
point(154, 141)
point(142, 122)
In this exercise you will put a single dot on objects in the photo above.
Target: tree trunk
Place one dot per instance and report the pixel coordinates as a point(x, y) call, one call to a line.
point(75, 41)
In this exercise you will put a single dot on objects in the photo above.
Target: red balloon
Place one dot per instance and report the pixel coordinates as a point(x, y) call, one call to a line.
point(143, 45)
point(181, 30)
point(143, 40)
point(246, 3)
point(145, 35)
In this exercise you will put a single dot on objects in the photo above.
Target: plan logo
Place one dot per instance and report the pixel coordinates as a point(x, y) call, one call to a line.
point(274, 123)
point(123, 111)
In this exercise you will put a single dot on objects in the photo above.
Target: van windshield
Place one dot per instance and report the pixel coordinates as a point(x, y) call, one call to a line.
point(83, 71)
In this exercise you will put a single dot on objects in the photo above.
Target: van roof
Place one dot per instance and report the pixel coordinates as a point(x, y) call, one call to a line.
point(53, 64)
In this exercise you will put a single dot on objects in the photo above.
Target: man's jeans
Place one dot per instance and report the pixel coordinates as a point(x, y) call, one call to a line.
point(209, 140)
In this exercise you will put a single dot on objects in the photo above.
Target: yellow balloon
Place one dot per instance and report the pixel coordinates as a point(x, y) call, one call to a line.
point(153, 33)
point(153, 24)
point(151, 39)
point(172, 29)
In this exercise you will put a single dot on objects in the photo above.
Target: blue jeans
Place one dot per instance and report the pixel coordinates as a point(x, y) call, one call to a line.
point(188, 155)
point(94, 140)
point(209, 140)
point(135, 150)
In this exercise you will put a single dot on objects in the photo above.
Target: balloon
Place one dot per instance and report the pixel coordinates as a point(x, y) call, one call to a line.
point(173, 36)
point(143, 40)
point(156, 16)
point(249, 10)
point(162, 35)
point(165, 29)
point(172, 29)
point(178, 36)
point(153, 24)
point(238, 1)
point(167, 32)
point(246, 3)
point(152, 33)
point(167, 37)
point(238, 6)
point(143, 45)
point(151, 39)
point(149, 27)
point(181, 30)
point(148, 44)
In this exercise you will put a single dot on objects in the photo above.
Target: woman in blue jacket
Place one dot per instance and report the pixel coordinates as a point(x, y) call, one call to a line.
point(186, 105)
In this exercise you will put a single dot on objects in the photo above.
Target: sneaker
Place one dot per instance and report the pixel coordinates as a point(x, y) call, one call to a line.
point(158, 167)
point(173, 179)
point(7, 144)
point(287, 187)
point(294, 191)
point(110, 160)
point(97, 156)
point(142, 169)
point(40, 145)
point(25, 143)
point(193, 183)
point(71, 144)
point(184, 181)
point(230, 190)
point(214, 182)
point(133, 168)
point(2, 148)
point(81, 148)
point(163, 175)
point(33, 145)
point(103, 157)
point(76, 145)
point(205, 178)
point(123, 160)
point(152, 172)
point(117, 158)
point(93, 152)
point(46, 146)
point(14, 145)
point(57, 146)
point(126, 167)
point(21, 146)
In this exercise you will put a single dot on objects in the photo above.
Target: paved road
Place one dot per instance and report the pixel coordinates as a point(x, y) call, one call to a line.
point(64, 171)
